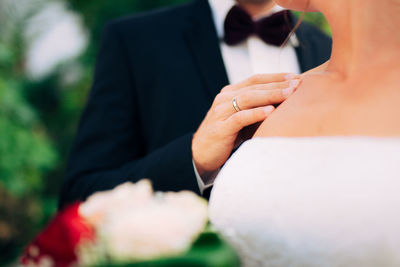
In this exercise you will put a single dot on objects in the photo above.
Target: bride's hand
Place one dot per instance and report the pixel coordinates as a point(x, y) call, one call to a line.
point(217, 135)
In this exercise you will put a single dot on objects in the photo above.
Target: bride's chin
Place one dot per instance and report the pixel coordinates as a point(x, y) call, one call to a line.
point(299, 5)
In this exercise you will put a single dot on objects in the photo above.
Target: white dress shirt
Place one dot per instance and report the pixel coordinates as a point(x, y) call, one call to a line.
point(250, 57)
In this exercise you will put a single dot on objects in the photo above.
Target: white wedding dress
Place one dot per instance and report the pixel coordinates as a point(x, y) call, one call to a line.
point(329, 201)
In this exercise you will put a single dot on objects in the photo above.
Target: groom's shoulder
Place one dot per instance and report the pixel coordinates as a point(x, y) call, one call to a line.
point(156, 21)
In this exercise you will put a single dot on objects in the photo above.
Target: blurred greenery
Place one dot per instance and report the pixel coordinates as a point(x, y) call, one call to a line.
point(317, 19)
point(38, 117)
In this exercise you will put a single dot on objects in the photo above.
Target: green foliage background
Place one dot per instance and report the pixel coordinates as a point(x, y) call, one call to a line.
point(38, 118)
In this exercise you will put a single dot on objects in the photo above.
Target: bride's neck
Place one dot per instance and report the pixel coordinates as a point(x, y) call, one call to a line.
point(365, 36)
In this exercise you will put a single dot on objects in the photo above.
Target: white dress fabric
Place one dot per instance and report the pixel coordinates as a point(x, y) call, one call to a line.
point(329, 201)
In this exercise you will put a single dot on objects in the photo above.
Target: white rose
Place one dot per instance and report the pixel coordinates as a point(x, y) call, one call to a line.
point(100, 205)
point(134, 224)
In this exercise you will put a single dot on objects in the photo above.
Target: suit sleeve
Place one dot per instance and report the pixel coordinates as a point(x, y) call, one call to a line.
point(108, 149)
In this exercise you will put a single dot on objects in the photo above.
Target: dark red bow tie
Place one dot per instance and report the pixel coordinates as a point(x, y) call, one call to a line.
point(272, 30)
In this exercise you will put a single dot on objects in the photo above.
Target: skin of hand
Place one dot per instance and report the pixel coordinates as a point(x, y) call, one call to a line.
point(222, 128)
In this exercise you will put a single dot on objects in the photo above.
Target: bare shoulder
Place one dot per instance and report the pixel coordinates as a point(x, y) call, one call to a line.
point(297, 115)
point(324, 107)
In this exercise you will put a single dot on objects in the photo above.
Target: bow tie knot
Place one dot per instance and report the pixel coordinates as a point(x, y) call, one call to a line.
point(273, 30)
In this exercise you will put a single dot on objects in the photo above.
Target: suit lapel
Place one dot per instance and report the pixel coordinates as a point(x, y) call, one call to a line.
point(304, 52)
point(201, 37)
point(308, 54)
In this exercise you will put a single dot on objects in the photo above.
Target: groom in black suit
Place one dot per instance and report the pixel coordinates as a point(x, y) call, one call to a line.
point(156, 77)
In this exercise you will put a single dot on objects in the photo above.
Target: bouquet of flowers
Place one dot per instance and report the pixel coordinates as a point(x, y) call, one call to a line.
point(131, 225)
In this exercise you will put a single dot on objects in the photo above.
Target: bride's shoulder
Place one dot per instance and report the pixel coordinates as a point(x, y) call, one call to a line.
point(294, 116)
point(328, 105)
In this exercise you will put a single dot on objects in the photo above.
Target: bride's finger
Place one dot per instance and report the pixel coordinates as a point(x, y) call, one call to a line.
point(261, 79)
point(253, 99)
point(247, 92)
point(269, 86)
point(248, 99)
point(244, 118)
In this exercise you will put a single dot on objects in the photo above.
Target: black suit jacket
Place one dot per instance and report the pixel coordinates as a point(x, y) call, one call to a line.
point(156, 76)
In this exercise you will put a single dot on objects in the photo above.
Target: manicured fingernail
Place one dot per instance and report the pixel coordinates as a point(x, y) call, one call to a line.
point(268, 110)
point(288, 91)
point(294, 83)
point(290, 76)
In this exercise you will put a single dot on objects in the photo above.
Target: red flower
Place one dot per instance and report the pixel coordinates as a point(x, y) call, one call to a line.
point(59, 241)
